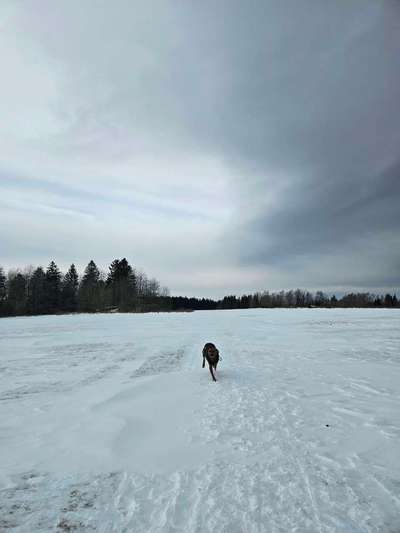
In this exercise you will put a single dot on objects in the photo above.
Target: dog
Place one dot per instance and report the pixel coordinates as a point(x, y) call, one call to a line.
point(211, 353)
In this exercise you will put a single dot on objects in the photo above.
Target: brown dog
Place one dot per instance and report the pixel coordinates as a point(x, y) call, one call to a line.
point(211, 353)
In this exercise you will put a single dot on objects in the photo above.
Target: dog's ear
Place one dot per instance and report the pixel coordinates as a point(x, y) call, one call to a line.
point(204, 350)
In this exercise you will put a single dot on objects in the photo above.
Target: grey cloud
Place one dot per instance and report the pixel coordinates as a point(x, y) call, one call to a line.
point(331, 127)
point(328, 215)
point(299, 100)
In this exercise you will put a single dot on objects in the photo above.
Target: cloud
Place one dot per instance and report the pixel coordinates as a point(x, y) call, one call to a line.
point(230, 146)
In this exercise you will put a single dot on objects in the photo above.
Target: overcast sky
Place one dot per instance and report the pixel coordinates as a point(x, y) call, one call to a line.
point(222, 146)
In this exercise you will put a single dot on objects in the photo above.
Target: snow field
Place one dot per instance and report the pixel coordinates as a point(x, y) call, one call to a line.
point(108, 423)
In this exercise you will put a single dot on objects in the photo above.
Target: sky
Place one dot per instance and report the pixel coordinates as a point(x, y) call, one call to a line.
point(223, 147)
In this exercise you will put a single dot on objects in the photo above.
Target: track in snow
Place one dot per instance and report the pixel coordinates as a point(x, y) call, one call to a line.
point(299, 434)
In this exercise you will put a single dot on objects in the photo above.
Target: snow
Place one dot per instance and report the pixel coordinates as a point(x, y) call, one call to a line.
point(108, 422)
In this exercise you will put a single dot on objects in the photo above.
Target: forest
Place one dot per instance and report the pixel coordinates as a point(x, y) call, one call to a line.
point(39, 291)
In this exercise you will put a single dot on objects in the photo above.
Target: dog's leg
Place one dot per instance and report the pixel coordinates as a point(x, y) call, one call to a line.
point(212, 373)
point(214, 367)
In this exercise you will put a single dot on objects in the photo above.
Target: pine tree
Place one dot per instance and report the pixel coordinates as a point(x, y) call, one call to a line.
point(122, 282)
point(112, 280)
point(53, 288)
point(37, 303)
point(17, 293)
point(69, 290)
point(89, 289)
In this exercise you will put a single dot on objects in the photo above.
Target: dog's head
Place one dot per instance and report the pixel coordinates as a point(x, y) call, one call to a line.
point(210, 349)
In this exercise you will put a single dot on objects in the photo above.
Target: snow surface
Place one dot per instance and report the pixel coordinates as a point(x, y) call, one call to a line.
point(108, 422)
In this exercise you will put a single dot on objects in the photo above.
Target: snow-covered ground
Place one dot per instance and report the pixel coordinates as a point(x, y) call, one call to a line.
point(108, 422)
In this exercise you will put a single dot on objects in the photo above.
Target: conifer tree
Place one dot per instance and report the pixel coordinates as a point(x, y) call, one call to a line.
point(69, 290)
point(53, 288)
point(17, 293)
point(121, 281)
point(89, 289)
point(37, 303)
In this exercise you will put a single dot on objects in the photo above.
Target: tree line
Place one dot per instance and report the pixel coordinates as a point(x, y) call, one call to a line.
point(36, 291)
point(300, 298)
